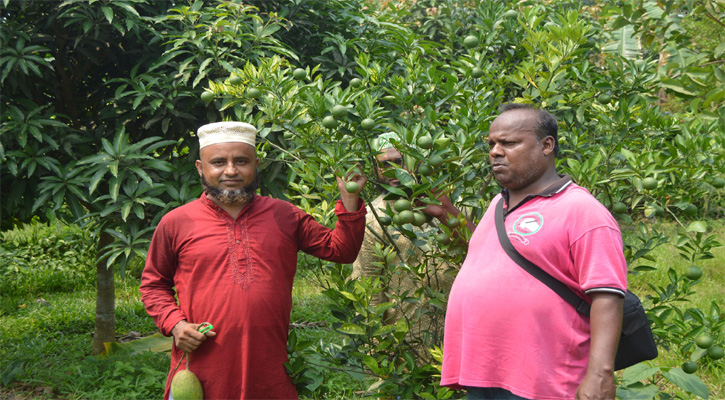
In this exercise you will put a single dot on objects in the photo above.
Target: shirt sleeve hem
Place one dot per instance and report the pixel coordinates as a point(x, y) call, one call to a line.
point(342, 213)
point(616, 291)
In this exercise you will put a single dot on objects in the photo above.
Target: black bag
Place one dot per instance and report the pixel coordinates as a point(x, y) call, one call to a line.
point(636, 343)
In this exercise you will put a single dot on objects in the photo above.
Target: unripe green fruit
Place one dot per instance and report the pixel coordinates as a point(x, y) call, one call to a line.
point(235, 80)
point(425, 170)
point(443, 238)
point(329, 122)
point(476, 72)
point(470, 42)
point(511, 14)
point(299, 74)
point(605, 98)
point(649, 183)
point(352, 187)
point(436, 161)
point(355, 82)
point(718, 183)
point(690, 210)
point(693, 273)
point(704, 341)
point(716, 352)
point(453, 222)
point(396, 219)
point(186, 386)
point(339, 111)
point(402, 205)
point(254, 93)
point(418, 219)
point(406, 217)
point(619, 208)
point(207, 96)
point(385, 220)
point(425, 142)
point(689, 367)
point(367, 124)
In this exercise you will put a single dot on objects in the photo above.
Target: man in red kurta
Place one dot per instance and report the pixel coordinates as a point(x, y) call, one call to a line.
point(231, 257)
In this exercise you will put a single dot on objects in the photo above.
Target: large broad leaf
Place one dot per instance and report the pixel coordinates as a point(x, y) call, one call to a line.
point(624, 42)
point(637, 391)
point(155, 343)
point(688, 382)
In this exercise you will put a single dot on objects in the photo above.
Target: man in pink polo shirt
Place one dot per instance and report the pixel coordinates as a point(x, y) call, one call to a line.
point(507, 335)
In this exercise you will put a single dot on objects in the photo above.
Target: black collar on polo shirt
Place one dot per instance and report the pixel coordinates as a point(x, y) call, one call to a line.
point(549, 191)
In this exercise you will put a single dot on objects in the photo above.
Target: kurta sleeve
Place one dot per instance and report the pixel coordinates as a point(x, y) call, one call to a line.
point(157, 281)
point(340, 245)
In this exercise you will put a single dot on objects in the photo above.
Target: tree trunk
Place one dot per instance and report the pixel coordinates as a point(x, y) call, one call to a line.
point(105, 300)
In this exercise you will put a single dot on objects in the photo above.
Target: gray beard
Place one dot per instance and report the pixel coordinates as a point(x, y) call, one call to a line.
point(230, 197)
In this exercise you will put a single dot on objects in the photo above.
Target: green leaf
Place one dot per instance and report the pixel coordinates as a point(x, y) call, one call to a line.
point(637, 391)
point(697, 226)
point(108, 12)
point(351, 329)
point(676, 86)
point(688, 382)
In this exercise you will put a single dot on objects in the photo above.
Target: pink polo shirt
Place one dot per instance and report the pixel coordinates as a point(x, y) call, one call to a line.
point(506, 329)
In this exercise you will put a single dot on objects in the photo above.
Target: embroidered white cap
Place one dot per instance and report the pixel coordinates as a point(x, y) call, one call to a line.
point(226, 132)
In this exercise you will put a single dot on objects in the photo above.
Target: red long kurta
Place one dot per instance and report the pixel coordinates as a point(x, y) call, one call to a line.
point(238, 274)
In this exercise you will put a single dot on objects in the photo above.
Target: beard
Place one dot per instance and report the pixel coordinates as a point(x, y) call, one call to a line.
point(243, 195)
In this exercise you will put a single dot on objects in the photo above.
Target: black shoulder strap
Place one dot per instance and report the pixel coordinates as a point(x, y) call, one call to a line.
point(557, 286)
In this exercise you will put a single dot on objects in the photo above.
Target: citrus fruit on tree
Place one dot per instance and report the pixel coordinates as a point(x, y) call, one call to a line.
point(235, 80)
point(425, 170)
point(649, 183)
point(406, 217)
point(402, 205)
point(385, 220)
point(470, 42)
point(299, 74)
point(511, 14)
point(443, 238)
point(453, 222)
point(476, 72)
point(339, 111)
point(418, 219)
point(396, 219)
point(689, 367)
point(254, 93)
point(207, 96)
point(693, 273)
point(718, 183)
point(716, 352)
point(690, 210)
point(605, 98)
point(425, 142)
point(352, 187)
point(704, 341)
point(367, 124)
point(436, 160)
point(619, 208)
point(355, 82)
point(329, 122)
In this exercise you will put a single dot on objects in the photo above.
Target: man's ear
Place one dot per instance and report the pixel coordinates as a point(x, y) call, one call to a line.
point(549, 143)
point(256, 164)
point(198, 167)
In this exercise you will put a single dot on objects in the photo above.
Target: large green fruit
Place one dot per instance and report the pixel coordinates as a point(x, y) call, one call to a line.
point(254, 93)
point(693, 273)
point(436, 160)
point(649, 183)
point(235, 80)
point(470, 42)
point(207, 96)
point(689, 367)
point(367, 124)
point(406, 217)
point(355, 82)
point(402, 205)
point(690, 210)
point(476, 72)
point(299, 74)
point(385, 220)
point(186, 386)
point(716, 352)
point(453, 222)
point(352, 187)
point(339, 111)
point(718, 183)
point(425, 170)
point(619, 208)
point(605, 98)
point(703, 341)
point(425, 142)
point(329, 122)
point(443, 238)
point(418, 219)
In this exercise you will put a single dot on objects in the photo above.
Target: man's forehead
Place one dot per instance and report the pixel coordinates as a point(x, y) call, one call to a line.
point(230, 149)
point(391, 153)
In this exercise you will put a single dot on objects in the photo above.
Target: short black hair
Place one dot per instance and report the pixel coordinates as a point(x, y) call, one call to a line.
point(545, 122)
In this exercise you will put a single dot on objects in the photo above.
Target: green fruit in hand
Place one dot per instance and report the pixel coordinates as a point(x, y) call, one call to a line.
point(406, 217)
point(693, 273)
point(425, 170)
point(254, 93)
point(425, 142)
point(339, 111)
point(703, 341)
point(235, 80)
point(352, 187)
point(207, 96)
point(718, 183)
point(443, 238)
point(511, 14)
point(401, 205)
point(435, 161)
point(384, 220)
point(619, 208)
point(605, 98)
point(649, 183)
point(716, 352)
point(690, 210)
point(476, 72)
point(470, 42)
point(689, 367)
point(355, 82)
point(299, 74)
point(453, 222)
point(329, 122)
point(186, 386)
point(418, 219)
point(367, 124)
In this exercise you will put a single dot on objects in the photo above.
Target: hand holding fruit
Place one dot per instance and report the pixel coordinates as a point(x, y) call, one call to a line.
point(350, 188)
point(187, 338)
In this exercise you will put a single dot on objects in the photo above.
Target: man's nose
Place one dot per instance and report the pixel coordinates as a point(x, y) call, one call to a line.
point(230, 169)
point(496, 151)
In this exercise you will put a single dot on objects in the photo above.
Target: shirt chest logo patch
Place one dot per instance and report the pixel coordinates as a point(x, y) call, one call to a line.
point(528, 224)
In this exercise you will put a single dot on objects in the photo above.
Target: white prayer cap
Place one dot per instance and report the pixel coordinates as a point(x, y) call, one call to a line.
point(226, 132)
